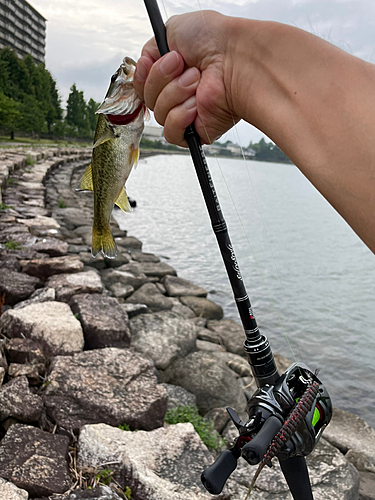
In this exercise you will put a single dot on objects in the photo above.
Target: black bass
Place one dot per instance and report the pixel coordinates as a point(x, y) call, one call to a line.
point(115, 152)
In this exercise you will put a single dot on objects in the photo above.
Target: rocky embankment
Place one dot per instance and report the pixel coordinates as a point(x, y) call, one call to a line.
point(90, 345)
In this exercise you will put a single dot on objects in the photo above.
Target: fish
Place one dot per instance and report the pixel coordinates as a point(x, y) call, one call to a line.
point(115, 152)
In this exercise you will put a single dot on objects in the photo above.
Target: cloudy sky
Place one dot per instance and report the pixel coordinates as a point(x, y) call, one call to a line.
point(87, 39)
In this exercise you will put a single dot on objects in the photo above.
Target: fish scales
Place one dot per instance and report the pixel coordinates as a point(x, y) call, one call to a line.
point(115, 152)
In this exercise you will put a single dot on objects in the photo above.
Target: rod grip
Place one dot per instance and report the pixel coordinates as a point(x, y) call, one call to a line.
point(215, 477)
point(254, 450)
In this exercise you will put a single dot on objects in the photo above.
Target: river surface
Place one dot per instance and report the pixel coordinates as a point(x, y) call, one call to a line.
point(310, 279)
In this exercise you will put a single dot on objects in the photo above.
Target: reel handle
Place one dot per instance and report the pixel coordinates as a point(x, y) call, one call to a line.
point(215, 477)
point(254, 450)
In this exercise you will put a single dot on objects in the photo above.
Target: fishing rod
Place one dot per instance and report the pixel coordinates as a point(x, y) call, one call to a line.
point(287, 413)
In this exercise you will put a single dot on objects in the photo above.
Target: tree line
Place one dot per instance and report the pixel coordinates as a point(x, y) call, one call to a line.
point(30, 101)
point(268, 151)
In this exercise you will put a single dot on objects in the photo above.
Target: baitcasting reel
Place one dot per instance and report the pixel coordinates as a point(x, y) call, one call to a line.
point(285, 420)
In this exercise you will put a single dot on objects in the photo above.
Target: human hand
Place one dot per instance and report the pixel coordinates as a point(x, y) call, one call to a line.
point(191, 83)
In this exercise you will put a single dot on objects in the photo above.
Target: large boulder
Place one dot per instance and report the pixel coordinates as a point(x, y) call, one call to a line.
point(163, 337)
point(17, 286)
point(35, 461)
point(203, 307)
point(207, 375)
point(9, 491)
point(108, 385)
point(354, 437)
point(163, 464)
point(17, 401)
point(126, 277)
point(230, 334)
point(44, 268)
point(51, 325)
point(104, 321)
point(176, 287)
point(150, 295)
point(67, 285)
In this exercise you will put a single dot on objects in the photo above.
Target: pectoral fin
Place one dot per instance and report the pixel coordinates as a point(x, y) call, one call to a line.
point(122, 201)
point(107, 136)
point(134, 157)
point(85, 184)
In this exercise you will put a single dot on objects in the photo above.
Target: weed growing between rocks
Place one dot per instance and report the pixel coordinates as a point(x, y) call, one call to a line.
point(12, 245)
point(205, 428)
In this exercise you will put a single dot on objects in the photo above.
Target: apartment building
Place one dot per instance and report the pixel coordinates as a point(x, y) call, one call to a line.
point(22, 28)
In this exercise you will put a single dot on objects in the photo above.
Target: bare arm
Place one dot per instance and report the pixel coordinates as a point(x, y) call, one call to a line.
point(315, 101)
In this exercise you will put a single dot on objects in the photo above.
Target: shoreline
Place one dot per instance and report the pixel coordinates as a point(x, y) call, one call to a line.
point(58, 278)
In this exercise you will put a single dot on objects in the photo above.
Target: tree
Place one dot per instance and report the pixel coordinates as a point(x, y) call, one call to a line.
point(9, 113)
point(76, 113)
point(268, 151)
point(92, 106)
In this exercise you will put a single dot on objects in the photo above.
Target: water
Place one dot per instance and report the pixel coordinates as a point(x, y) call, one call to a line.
point(309, 277)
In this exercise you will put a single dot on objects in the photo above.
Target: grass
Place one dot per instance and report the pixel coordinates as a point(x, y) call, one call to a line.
point(61, 203)
point(205, 428)
point(4, 207)
point(124, 427)
point(12, 245)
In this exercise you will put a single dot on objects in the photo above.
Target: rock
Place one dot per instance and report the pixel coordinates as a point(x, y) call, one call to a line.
point(121, 259)
point(54, 265)
point(17, 286)
point(203, 307)
point(159, 269)
point(40, 221)
point(27, 370)
point(366, 486)
point(219, 417)
point(163, 337)
point(51, 246)
point(17, 401)
point(104, 321)
point(208, 377)
point(149, 295)
point(72, 217)
point(349, 432)
point(206, 335)
point(41, 295)
point(126, 278)
point(67, 285)
point(133, 310)
point(182, 310)
point(230, 333)
point(203, 345)
point(9, 491)
point(8, 261)
point(121, 291)
point(101, 492)
point(51, 325)
point(163, 464)
point(144, 257)
point(104, 385)
point(35, 460)
point(178, 286)
point(129, 242)
point(21, 350)
point(88, 260)
point(332, 477)
point(178, 396)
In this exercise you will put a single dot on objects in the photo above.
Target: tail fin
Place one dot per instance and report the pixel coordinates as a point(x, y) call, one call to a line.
point(103, 242)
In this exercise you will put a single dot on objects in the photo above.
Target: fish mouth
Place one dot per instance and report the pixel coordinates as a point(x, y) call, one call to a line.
point(121, 98)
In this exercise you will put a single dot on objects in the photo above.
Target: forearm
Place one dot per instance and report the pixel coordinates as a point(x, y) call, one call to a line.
point(318, 104)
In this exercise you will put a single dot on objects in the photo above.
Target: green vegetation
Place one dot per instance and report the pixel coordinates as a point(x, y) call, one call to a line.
point(12, 245)
point(61, 203)
point(30, 102)
point(104, 476)
point(147, 144)
point(3, 206)
point(124, 427)
point(268, 151)
point(127, 492)
point(205, 428)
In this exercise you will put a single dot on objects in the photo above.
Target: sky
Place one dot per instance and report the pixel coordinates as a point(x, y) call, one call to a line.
point(87, 39)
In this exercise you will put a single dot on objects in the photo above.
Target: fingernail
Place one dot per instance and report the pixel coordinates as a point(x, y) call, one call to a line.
point(169, 63)
point(141, 71)
point(191, 102)
point(189, 77)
